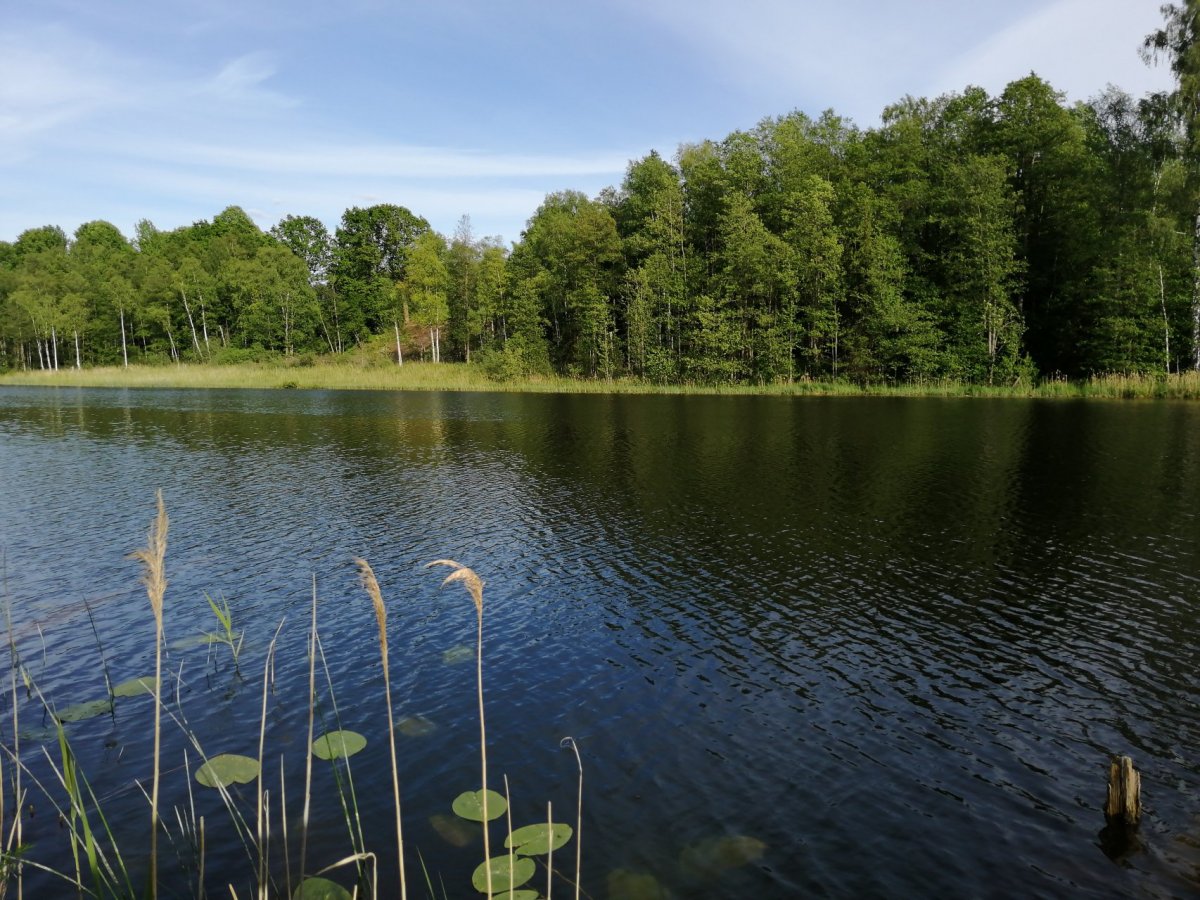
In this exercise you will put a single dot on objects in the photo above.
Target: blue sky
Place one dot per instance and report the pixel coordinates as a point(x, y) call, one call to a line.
point(172, 111)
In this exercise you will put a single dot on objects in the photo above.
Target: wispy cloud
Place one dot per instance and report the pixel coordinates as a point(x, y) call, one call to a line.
point(300, 157)
point(1079, 46)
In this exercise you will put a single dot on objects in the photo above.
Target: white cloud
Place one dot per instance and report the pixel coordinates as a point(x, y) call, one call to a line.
point(858, 56)
point(1079, 46)
point(300, 157)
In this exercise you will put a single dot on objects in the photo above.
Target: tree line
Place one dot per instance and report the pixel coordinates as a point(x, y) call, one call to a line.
point(984, 238)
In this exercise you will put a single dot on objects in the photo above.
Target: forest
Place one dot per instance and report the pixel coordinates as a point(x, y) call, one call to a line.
point(982, 238)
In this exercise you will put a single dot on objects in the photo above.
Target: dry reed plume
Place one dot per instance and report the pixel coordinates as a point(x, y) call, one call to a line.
point(371, 584)
point(155, 579)
point(474, 585)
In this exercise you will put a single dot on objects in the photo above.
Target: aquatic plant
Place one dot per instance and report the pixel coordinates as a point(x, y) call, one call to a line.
point(371, 584)
point(474, 586)
point(154, 577)
point(226, 635)
point(94, 849)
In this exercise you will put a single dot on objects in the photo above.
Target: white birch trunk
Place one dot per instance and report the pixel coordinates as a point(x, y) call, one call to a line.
point(399, 352)
point(78, 361)
point(1162, 299)
point(124, 351)
point(188, 309)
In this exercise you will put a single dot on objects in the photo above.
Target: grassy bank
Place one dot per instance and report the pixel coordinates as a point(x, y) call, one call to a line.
point(357, 374)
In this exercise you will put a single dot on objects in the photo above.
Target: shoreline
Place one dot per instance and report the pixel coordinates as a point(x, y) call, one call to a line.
point(424, 376)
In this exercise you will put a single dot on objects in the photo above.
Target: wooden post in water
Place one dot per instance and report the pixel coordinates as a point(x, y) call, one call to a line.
point(1123, 805)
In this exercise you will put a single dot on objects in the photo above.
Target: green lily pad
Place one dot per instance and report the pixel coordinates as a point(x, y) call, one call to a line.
point(195, 640)
point(460, 654)
point(39, 735)
point(540, 839)
point(320, 889)
point(715, 855)
point(415, 726)
point(338, 745)
point(227, 769)
point(77, 712)
point(135, 686)
point(627, 885)
point(516, 895)
point(469, 805)
point(455, 832)
point(523, 869)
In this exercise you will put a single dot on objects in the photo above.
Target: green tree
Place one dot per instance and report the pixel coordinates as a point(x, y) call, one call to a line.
point(369, 258)
point(425, 287)
point(1179, 41)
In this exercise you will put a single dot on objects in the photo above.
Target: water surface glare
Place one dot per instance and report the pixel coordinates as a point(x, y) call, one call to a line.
point(888, 644)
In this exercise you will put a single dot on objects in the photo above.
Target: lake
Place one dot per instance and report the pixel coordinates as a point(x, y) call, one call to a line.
point(831, 647)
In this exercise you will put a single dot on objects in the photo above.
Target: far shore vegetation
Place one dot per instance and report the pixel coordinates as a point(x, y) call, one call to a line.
point(968, 243)
point(365, 372)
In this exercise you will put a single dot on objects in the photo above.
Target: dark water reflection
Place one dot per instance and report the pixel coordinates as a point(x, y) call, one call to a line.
point(893, 640)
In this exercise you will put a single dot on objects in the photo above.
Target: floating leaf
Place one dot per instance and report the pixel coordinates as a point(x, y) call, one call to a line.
point(38, 735)
point(196, 640)
point(718, 854)
point(454, 831)
point(516, 895)
point(227, 769)
point(635, 886)
point(321, 889)
point(522, 870)
point(415, 726)
point(540, 839)
point(469, 805)
point(460, 654)
point(80, 711)
point(135, 686)
point(338, 744)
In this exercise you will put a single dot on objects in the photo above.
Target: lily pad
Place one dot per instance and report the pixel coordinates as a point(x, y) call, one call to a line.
point(469, 805)
point(320, 889)
point(523, 869)
point(540, 839)
point(415, 726)
point(135, 686)
point(195, 640)
point(715, 855)
point(454, 831)
point(460, 654)
point(39, 735)
point(338, 745)
point(77, 712)
point(227, 769)
point(516, 895)
point(626, 885)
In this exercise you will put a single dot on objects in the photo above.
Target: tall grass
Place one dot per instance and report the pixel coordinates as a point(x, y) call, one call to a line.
point(371, 584)
point(367, 373)
point(474, 585)
point(97, 856)
point(154, 577)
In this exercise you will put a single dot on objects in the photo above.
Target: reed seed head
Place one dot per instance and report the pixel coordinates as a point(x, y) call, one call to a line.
point(367, 576)
point(152, 558)
point(472, 582)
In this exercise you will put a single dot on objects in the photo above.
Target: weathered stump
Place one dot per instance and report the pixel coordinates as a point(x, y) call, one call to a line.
point(1123, 805)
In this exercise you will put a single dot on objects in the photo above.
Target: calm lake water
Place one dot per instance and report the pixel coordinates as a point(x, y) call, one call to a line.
point(863, 647)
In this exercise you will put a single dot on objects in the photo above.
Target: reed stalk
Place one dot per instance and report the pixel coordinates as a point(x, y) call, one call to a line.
point(260, 826)
point(474, 585)
point(511, 850)
point(312, 694)
point(371, 584)
point(155, 580)
point(570, 742)
point(14, 840)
